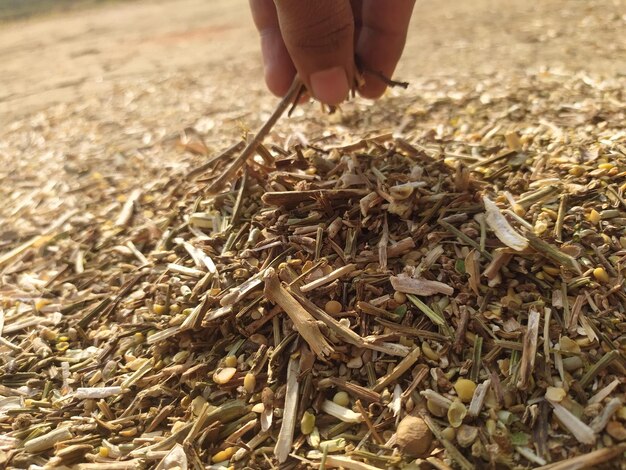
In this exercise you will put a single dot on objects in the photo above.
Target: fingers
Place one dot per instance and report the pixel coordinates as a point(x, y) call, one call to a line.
point(381, 40)
point(279, 69)
point(319, 35)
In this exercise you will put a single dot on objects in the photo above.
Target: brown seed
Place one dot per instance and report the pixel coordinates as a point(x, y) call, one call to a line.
point(413, 436)
point(332, 307)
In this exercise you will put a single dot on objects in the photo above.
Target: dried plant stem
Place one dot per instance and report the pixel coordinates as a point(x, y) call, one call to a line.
point(251, 147)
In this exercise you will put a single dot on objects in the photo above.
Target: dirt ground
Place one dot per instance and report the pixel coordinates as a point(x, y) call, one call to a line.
point(69, 58)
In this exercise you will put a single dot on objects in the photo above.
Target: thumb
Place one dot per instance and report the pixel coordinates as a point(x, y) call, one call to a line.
point(319, 36)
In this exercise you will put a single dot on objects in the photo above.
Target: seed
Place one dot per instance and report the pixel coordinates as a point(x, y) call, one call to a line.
point(399, 297)
point(41, 303)
point(449, 433)
point(540, 227)
point(555, 394)
point(572, 363)
point(175, 308)
point(258, 408)
point(159, 309)
point(307, 423)
point(577, 170)
point(465, 389)
point(594, 216)
point(223, 376)
point(197, 404)
point(249, 382)
point(551, 270)
point(332, 307)
point(519, 210)
point(130, 432)
point(435, 409)
point(223, 455)
point(341, 398)
point(413, 436)
point(616, 430)
point(230, 361)
point(49, 335)
point(62, 346)
point(456, 413)
point(103, 452)
point(428, 352)
point(622, 241)
point(601, 275)
point(466, 435)
point(139, 338)
point(180, 357)
point(606, 166)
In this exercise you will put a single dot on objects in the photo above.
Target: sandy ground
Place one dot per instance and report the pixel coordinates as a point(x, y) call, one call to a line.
point(69, 58)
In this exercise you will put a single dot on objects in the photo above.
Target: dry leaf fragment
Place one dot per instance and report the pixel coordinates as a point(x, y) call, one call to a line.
point(501, 227)
point(424, 287)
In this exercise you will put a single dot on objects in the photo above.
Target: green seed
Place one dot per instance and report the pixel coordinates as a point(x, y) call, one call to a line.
point(307, 424)
point(341, 399)
point(456, 413)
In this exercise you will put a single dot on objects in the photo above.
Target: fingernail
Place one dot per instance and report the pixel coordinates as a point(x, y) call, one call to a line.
point(330, 86)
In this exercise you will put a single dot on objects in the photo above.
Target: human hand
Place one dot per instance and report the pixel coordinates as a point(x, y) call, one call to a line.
point(319, 39)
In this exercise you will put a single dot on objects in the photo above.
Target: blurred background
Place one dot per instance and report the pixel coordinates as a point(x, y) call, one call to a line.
point(57, 51)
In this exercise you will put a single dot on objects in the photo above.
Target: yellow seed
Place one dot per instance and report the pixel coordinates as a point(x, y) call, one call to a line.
point(103, 452)
point(435, 409)
point(307, 423)
point(449, 433)
point(311, 171)
point(129, 432)
point(465, 389)
point(332, 307)
point(577, 170)
point(249, 382)
point(223, 376)
point(540, 227)
point(175, 308)
point(456, 413)
point(159, 309)
point(230, 361)
point(307, 265)
point(223, 455)
point(139, 338)
point(519, 210)
point(41, 303)
point(594, 216)
point(399, 297)
point(601, 275)
point(63, 338)
point(341, 398)
point(606, 166)
point(185, 401)
point(555, 394)
point(551, 270)
point(428, 352)
point(62, 346)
